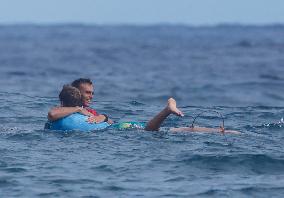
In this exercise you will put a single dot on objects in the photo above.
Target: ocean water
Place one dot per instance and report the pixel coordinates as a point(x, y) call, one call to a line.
point(235, 70)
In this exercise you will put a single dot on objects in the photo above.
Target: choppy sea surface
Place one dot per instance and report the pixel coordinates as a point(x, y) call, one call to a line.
point(235, 70)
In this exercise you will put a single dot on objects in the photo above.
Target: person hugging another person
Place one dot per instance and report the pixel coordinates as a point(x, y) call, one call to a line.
point(75, 108)
point(86, 89)
point(71, 99)
point(76, 99)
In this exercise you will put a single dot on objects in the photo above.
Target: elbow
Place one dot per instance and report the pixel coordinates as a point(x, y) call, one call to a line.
point(51, 116)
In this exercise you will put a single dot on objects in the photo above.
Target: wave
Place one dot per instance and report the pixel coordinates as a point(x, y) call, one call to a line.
point(250, 163)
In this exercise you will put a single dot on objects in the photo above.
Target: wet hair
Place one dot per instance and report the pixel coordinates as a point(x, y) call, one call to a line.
point(70, 96)
point(76, 83)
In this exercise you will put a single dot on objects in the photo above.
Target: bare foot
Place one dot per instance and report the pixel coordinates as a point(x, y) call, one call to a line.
point(172, 107)
point(222, 129)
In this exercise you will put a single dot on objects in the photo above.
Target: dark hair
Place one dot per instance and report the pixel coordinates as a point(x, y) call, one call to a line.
point(76, 83)
point(70, 96)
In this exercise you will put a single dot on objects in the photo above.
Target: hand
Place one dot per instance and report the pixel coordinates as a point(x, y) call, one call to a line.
point(85, 112)
point(92, 119)
point(106, 119)
point(96, 119)
point(110, 121)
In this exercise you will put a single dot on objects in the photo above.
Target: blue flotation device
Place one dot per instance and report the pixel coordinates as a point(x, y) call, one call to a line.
point(75, 121)
point(79, 122)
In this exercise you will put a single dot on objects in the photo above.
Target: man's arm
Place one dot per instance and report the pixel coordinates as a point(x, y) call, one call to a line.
point(59, 112)
point(99, 118)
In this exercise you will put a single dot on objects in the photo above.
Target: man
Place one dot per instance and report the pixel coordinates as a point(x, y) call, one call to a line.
point(86, 88)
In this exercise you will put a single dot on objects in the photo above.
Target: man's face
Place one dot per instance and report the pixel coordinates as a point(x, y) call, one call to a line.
point(87, 91)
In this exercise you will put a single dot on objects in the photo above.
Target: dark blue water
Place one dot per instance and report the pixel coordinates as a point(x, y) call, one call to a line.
point(236, 70)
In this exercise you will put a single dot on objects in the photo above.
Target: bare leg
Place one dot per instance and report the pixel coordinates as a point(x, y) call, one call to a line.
point(155, 123)
point(203, 129)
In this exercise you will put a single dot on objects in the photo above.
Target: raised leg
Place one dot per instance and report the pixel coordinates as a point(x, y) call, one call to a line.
point(171, 108)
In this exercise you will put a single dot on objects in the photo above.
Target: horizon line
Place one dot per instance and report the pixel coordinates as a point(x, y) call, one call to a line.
point(221, 24)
